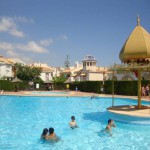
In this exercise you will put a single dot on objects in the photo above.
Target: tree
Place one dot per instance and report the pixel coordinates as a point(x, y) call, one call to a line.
point(60, 79)
point(27, 73)
point(67, 62)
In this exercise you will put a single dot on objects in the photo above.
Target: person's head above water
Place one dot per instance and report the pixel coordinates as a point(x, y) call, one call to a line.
point(72, 117)
point(45, 131)
point(110, 121)
point(51, 130)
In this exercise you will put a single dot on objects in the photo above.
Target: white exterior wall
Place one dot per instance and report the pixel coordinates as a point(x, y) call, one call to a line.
point(72, 79)
point(93, 68)
point(95, 77)
point(6, 71)
point(43, 76)
point(56, 72)
point(89, 77)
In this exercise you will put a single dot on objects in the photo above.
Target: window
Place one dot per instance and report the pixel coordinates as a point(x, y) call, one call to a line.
point(47, 76)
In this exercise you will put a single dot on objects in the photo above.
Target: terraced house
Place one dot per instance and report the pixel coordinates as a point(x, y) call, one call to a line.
point(6, 68)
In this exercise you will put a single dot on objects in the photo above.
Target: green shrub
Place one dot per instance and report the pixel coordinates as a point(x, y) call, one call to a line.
point(10, 86)
point(87, 86)
point(59, 86)
point(120, 87)
point(6, 85)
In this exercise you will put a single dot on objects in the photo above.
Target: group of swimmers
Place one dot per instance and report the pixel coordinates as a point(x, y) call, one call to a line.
point(145, 90)
point(50, 134)
point(94, 97)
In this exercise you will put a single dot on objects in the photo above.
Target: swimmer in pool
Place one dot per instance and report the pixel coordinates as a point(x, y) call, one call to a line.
point(73, 123)
point(110, 125)
point(52, 136)
point(44, 135)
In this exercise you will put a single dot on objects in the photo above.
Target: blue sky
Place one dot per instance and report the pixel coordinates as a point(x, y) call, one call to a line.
point(48, 30)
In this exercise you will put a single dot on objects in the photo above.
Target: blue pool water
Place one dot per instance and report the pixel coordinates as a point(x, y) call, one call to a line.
point(22, 120)
point(47, 92)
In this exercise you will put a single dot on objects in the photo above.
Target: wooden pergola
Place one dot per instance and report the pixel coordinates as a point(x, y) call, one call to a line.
point(138, 68)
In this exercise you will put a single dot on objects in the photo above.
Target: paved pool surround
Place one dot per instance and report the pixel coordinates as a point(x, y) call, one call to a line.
point(130, 114)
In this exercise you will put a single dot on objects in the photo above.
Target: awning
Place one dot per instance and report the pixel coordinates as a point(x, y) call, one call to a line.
point(68, 80)
point(48, 82)
point(16, 80)
point(82, 74)
point(73, 75)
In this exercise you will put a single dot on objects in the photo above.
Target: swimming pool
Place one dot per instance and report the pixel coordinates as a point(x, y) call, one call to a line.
point(47, 92)
point(22, 120)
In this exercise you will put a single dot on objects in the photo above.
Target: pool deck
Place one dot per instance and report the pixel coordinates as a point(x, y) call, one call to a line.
point(64, 93)
point(124, 110)
point(70, 93)
point(131, 110)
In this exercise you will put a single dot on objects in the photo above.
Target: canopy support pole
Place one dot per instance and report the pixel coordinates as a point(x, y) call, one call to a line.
point(139, 89)
point(113, 89)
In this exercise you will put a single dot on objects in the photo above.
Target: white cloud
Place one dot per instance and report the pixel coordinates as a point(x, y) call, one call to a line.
point(17, 60)
point(12, 54)
point(46, 42)
point(23, 19)
point(64, 37)
point(6, 46)
point(17, 57)
point(15, 51)
point(27, 60)
point(32, 46)
point(16, 33)
point(8, 25)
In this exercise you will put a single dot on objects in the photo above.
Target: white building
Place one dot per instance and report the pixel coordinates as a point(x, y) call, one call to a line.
point(57, 71)
point(6, 68)
point(88, 71)
point(47, 72)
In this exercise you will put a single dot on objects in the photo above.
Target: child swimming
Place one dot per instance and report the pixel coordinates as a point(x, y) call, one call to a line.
point(73, 123)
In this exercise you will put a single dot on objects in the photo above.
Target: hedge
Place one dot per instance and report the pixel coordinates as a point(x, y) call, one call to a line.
point(87, 86)
point(59, 86)
point(7, 85)
point(120, 87)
